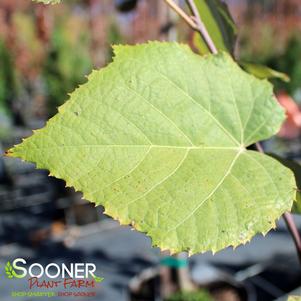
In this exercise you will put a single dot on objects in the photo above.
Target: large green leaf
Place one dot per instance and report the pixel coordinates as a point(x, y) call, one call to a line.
point(159, 138)
point(219, 23)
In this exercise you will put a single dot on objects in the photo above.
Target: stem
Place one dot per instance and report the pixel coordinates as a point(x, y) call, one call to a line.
point(289, 220)
point(194, 22)
point(259, 147)
point(290, 223)
point(201, 27)
point(182, 14)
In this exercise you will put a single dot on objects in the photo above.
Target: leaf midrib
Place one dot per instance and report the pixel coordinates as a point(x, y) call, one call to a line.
point(143, 146)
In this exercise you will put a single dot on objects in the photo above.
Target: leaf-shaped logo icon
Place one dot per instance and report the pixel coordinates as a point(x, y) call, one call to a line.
point(9, 270)
point(98, 279)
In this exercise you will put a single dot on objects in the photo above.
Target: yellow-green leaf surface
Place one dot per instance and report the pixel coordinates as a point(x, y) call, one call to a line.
point(294, 298)
point(159, 138)
point(295, 167)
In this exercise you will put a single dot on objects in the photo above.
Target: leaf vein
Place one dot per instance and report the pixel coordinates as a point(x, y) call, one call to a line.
point(163, 114)
point(228, 171)
point(194, 101)
point(163, 180)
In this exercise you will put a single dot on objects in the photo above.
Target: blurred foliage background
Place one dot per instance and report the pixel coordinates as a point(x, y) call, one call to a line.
point(269, 34)
point(46, 51)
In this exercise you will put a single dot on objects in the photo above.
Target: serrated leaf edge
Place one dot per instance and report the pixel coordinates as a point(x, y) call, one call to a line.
point(135, 225)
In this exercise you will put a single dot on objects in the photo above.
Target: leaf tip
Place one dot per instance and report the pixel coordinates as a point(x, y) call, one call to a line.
point(8, 153)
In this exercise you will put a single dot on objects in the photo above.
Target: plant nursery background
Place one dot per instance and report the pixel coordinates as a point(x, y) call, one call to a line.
point(47, 51)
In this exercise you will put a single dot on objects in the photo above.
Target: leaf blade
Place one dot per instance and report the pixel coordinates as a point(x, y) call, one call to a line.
point(166, 143)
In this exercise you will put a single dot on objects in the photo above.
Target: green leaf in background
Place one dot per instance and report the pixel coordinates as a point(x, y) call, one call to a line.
point(263, 72)
point(159, 138)
point(219, 23)
point(222, 29)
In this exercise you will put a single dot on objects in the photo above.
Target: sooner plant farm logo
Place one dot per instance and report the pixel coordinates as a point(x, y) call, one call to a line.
point(67, 280)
